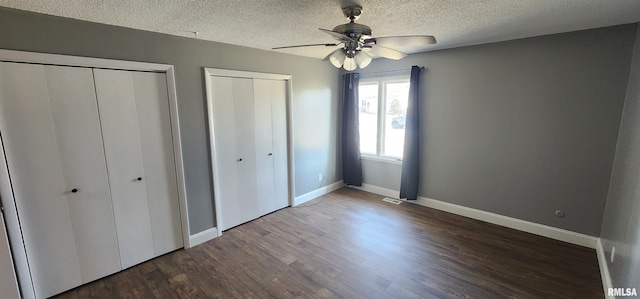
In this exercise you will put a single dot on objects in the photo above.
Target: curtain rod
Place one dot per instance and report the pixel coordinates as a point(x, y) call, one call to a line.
point(389, 72)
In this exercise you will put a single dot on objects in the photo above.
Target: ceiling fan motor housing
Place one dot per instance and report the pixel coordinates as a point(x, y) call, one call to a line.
point(353, 30)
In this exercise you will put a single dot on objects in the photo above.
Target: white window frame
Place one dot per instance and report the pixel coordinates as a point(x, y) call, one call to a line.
point(381, 122)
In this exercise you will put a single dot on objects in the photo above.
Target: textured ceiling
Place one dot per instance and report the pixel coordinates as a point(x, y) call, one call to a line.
point(270, 23)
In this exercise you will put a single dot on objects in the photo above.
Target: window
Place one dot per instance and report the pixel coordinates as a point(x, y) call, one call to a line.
point(383, 108)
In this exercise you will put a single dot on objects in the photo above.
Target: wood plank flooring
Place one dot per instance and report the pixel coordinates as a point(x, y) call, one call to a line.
point(350, 244)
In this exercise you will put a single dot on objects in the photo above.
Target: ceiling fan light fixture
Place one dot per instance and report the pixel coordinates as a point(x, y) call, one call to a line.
point(350, 64)
point(337, 58)
point(355, 37)
point(363, 59)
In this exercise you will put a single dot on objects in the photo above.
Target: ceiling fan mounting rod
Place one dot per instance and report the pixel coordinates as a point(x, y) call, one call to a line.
point(352, 12)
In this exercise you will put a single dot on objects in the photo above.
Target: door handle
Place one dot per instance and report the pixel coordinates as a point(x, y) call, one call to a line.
point(240, 160)
point(74, 190)
point(270, 154)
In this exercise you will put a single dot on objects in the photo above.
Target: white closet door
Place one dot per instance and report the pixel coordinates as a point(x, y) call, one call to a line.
point(31, 149)
point(280, 154)
point(245, 144)
point(263, 96)
point(234, 153)
point(120, 130)
point(152, 105)
point(75, 115)
point(225, 151)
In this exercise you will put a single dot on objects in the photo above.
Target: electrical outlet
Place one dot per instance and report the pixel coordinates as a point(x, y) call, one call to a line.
point(320, 177)
point(613, 253)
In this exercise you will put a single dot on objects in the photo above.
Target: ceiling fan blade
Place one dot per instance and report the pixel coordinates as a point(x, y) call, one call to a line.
point(385, 52)
point(403, 41)
point(338, 36)
point(309, 45)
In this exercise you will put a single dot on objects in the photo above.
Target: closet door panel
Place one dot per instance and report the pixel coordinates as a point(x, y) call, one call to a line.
point(280, 154)
point(244, 108)
point(263, 95)
point(225, 151)
point(152, 103)
point(117, 108)
point(31, 149)
point(75, 114)
point(232, 108)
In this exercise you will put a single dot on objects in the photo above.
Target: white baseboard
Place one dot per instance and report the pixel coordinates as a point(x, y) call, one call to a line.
point(203, 236)
point(317, 193)
point(604, 269)
point(378, 190)
point(522, 225)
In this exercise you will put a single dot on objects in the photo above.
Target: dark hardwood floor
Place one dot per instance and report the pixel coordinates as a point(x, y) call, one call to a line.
point(350, 244)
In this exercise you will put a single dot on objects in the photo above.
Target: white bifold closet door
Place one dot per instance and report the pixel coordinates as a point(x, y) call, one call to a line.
point(51, 134)
point(250, 143)
point(134, 112)
point(271, 144)
point(234, 150)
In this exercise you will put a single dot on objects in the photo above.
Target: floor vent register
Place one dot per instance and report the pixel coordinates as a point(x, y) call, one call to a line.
point(392, 200)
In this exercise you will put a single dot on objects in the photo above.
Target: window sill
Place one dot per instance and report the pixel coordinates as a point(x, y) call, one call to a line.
point(388, 160)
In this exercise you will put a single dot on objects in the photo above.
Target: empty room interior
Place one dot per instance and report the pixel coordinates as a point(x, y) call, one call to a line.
point(320, 149)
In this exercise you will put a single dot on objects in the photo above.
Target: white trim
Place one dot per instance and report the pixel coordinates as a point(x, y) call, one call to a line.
point(208, 72)
point(245, 74)
point(11, 216)
point(14, 231)
point(604, 269)
point(203, 236)
point(382, 159)
point(212, 147)
point(522, 225)
point(177, 154)
point(317, 193)
point(55, 59)
point(378, 190)
point(9, 285)
point(290, 144)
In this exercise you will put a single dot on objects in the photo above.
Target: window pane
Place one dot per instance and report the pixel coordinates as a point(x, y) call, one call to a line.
point(397, 96)
point(368, 104)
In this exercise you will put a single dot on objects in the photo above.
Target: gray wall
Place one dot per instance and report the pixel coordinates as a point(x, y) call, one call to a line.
point(521, 128)
point(315, 90)
point(621, 223)
point(381, 174)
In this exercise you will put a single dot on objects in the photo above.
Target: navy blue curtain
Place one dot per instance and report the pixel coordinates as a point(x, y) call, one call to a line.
point(410, 160)
point(351, 163)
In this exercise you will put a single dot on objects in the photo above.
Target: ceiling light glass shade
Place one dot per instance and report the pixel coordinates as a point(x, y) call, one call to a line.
point(337, 57)
point(350, 64)
point(363, 59)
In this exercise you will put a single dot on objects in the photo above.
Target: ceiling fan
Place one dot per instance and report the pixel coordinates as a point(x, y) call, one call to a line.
point(356, 42)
